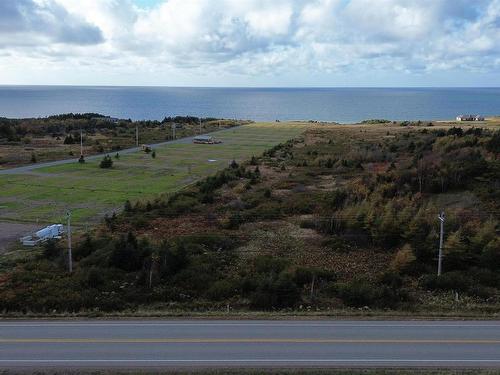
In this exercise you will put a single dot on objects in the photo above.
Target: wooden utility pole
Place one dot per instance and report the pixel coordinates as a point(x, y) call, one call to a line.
point(441, 237)
point(70, 255)
point(137, 136)
point(312, 286)
point(81, 143)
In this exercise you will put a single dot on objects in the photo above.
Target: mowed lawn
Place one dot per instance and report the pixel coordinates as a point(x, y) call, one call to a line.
point(45, 194)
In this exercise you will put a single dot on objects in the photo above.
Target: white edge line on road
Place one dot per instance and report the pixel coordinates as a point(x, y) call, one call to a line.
point(253, 360)
point(298, 325)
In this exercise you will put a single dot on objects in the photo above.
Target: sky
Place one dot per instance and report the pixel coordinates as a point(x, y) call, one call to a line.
point(257, 43)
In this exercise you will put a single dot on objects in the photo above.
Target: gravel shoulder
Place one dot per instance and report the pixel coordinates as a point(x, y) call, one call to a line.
point(10, 232)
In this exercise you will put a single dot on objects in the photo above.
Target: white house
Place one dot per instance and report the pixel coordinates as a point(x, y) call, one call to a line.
point(470, 118)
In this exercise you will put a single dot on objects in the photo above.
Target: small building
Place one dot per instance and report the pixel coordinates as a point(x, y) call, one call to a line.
point(470, 118)
point(52, 232)
point(205, 139)
point(106, 119)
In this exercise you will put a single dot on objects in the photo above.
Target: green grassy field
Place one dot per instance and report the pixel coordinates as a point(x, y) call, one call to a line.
point(89, 192)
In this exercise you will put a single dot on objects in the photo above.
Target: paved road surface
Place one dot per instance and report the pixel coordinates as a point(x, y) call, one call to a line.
point(31, 167)
point(193, 343)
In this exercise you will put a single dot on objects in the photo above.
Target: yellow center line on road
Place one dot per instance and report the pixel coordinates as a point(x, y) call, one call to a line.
point(241, 341)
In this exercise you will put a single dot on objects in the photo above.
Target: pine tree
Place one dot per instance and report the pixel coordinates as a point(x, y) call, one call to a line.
point(106, 162)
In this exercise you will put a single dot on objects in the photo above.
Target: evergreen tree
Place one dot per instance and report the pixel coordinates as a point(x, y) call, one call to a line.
point(106, 162)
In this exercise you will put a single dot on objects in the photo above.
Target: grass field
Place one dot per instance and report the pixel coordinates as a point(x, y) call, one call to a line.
point(89, 192)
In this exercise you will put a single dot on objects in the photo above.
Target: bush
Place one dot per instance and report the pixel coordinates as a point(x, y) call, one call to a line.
point(51, 249)
point(69, 140)
point(359, 293)
point(265, 211)
point(493, 144)
point(128, 206)
point(94, 277)
point(275, 292)
point(84, 248)
point(128, 254)
point(106, 162)
point(182, 203)
point(403, 259)
point(221, 289)
point(457, 281)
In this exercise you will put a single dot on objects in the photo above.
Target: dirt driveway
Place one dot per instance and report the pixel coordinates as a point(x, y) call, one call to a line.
point(11, 232)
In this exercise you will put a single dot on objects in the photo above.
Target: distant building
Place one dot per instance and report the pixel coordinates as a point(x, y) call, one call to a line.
point(106, 119)
point(205, 139)
point(470, 118)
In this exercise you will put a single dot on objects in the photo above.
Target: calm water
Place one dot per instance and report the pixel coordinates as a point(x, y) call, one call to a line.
point(336, 104)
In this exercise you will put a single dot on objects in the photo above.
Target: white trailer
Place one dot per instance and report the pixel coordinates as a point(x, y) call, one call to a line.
point(52, 232)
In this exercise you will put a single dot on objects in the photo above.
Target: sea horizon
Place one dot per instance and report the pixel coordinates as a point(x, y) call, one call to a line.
point(332, 104)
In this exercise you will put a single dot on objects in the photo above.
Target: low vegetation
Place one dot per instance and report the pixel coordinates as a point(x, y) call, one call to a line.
point(341, 217)
point(27, 141)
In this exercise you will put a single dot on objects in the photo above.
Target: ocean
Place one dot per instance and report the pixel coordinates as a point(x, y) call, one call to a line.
point(344, 105)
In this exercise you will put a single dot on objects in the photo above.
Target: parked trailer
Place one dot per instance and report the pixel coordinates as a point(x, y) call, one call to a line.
point(52, 232)
point(205, 139)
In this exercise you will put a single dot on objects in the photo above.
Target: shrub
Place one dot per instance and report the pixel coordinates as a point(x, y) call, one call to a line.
point(457, 281)
point(84, 248)
point(301, 203)
point(222, 289)
point(359, 293)
point(51, 249)
point(182, 203)
point(69, 140)
point(264, 211)
point(403, 259)
point(94, 277)
point(128, 254)
point(106, 162)
point(493, 144)
point(128, 206)
point(275, 292)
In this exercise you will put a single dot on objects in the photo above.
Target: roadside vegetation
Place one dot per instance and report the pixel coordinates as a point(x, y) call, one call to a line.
point(340, 217)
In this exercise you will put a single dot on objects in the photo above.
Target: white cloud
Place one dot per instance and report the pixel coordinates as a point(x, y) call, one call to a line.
point(252, 37)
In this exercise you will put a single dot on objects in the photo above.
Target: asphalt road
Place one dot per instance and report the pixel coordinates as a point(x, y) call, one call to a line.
point(196, 343)
point(31, 167)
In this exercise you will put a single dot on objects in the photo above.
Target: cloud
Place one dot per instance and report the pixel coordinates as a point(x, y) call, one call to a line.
point(30, 22)
point(252, 37)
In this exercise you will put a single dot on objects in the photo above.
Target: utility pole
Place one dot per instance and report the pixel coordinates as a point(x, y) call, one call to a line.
point(312, 286)
point(81, 159)
point(199, 119)
point(70, 256)
point(137, 135)
point(173, 130)
point(441, 237)
point(81, 143)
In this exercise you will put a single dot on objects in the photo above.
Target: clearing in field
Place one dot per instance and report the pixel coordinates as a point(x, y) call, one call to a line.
point(45, 194)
